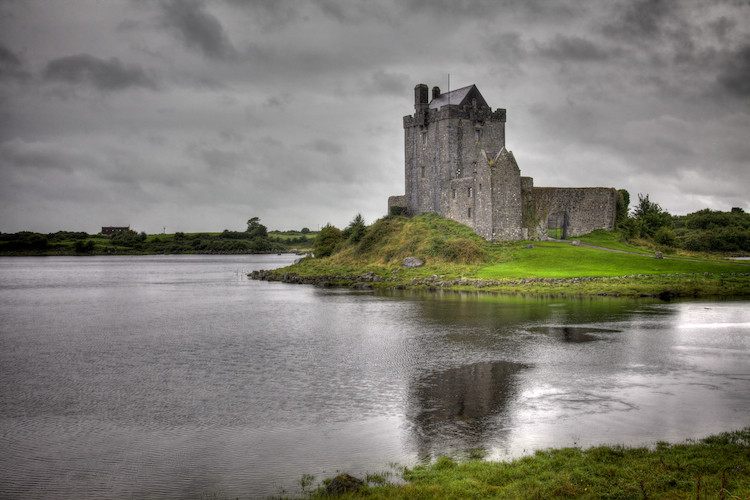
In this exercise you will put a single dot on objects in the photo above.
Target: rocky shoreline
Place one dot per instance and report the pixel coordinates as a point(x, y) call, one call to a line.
point(365, 281)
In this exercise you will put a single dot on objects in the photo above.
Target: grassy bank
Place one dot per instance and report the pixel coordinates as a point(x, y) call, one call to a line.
point(457, 258)
point(716, 467)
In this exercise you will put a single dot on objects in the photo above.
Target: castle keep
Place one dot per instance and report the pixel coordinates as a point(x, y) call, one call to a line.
point(456, 165)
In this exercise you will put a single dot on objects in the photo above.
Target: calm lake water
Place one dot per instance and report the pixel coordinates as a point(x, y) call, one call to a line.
point(177, 377)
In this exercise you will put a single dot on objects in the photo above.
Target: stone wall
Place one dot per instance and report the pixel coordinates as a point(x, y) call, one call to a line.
point(582, 210)
point(506, 197)
point(397, 201)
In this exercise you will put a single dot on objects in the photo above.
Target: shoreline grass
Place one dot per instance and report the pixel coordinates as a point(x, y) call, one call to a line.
point(716, 467)
point(458, 259)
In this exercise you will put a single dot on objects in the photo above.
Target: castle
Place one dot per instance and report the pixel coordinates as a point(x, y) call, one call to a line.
point(456, 165)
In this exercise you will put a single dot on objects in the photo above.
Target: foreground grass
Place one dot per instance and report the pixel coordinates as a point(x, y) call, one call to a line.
point(457, 258)
point(715, 467)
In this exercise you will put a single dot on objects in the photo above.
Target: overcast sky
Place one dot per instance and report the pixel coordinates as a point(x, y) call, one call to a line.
point(197, 115)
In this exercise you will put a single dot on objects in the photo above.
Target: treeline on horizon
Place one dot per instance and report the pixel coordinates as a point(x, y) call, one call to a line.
point(706, 230)
point(647, 224)
point(256, 239)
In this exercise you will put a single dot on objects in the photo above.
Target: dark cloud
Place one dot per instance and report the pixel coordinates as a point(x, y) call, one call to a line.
point(325, 147)
point(107, 75)
point(642, 19)
point(220, 160)
point(384, 82)
point(506, 48)
point(11, 65)
point(340, 11)
point(270, 14)
point(536, 10)
point(198, 28)
point(734, 77)
point(572, 48)
point(278, 101)
point(17, 154)
point(722, 27)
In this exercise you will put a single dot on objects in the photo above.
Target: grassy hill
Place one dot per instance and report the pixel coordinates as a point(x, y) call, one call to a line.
point(455, 257)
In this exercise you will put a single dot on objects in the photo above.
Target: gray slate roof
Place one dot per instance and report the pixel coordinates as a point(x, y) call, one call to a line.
point(460, 97)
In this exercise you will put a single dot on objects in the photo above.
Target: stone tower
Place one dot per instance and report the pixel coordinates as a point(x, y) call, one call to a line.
point(450, 143)
point(456, 165)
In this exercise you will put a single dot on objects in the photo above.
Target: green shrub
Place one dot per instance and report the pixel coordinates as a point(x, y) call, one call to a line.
point(327, 241)
point(356, 229)
point(665, 236)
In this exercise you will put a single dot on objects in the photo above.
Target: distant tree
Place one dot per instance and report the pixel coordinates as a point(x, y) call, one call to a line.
point(126, 239)
point(327, 241)
point(256, 229)
point(649, 217)
point(81, 246)
point(26, 240)
point(737, 210)
point(356, 229)
point(305, 230)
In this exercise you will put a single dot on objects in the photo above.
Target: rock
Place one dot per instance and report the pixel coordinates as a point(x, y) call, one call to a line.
point(666, 295)
point(576, 243)
point(360, 286)
point(529, 245)
point(658, 255)
point(412, 262)
point(343, 483)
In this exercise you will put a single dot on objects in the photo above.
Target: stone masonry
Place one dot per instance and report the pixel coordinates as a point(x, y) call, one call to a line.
point(456, 165)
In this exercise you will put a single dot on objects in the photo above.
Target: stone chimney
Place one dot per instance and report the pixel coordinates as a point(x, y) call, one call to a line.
point(421, 93)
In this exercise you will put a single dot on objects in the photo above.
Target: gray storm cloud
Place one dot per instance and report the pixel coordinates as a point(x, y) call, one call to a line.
point(111, 74)
point(196, 115)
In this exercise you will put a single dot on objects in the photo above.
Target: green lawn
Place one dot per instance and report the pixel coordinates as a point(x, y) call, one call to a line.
point(563, 260)
point(608, 239)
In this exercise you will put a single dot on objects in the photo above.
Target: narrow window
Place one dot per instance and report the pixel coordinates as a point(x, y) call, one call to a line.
point(477, 134)
point(469, 213)
point(480, 188)
point(471, 192)
point(422, 171)
point(458, 173)
point(424, 138)
point(454, 193)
